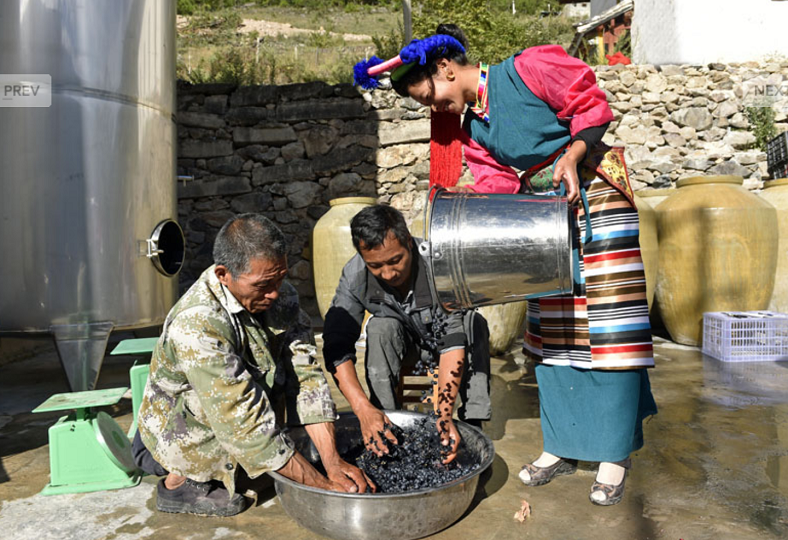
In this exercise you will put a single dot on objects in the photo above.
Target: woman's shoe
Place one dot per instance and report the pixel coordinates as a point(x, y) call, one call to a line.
point(539, 476)
point(612, 494)
point(608, 493)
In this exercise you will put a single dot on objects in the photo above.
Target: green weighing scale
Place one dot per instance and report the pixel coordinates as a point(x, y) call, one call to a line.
point(88, 451)
point(138, 374)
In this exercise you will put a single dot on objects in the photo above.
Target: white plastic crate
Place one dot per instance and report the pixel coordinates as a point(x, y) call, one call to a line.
point(745, 336)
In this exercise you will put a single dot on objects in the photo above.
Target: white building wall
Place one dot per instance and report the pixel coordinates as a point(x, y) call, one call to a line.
point(580, 11)
point(599, 6)
point(703, 31)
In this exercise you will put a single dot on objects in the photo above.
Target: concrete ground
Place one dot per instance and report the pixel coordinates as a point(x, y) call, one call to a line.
point(715, 465)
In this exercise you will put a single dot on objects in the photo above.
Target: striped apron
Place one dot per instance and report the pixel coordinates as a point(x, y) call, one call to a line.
point(605, 324)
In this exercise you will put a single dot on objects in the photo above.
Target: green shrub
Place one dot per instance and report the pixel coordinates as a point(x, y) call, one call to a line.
point(341, 71)
point(492, 35)
point(526, 7)
point(761, 124)
point(473, 17)
point(186, 7)
point(389, 45)
point(236, 66)
point(217, 21)
point(199, 74)
point(270, 65)
point(189, 7)
point(323, 40)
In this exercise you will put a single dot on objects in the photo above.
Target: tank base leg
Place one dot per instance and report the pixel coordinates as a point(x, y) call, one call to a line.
point(81, 348)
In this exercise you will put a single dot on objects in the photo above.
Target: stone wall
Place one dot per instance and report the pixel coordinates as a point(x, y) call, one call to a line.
point(679, 121)
point(287, 151)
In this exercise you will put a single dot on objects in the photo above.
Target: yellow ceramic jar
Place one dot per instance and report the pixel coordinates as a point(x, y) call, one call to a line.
point(505, 322)
point(648, 245)
point(417, 225)
point(776, 192)
point(655, 196)
point(716, 253)
point(332, 246)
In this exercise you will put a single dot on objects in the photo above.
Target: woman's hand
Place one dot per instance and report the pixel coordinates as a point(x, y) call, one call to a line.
point(566, 171)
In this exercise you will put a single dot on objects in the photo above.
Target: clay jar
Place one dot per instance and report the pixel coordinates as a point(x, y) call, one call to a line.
point(776, 192)
point(332, 246)
point(648, 245)
point(505, 322)
point(717, 252)
point(416, 225)
point(655, 196)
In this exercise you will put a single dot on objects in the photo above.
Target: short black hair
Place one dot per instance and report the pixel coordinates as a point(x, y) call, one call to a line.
point(246, 237)
point(373, 223)
point(420, 72)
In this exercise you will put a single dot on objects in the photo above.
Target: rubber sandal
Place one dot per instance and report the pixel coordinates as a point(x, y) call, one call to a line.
point(539, 476)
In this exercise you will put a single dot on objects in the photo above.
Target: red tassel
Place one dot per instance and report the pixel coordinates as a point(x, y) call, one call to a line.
point(445, 149)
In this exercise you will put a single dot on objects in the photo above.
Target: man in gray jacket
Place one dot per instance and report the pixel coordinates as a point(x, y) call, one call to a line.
point(388, 278)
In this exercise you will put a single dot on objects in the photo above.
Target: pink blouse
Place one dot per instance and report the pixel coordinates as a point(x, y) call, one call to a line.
point(567, 85)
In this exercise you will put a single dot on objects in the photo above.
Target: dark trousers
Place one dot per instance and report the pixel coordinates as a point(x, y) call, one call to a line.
point(144, 459)
point(390, 346)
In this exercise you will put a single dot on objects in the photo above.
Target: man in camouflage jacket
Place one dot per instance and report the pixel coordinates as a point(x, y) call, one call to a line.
point(236, 355)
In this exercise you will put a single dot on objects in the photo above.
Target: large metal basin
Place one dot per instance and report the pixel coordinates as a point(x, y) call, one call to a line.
point(374, 516)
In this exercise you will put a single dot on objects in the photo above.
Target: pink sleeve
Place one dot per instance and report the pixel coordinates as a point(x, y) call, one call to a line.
point(489, 175)
point(566, 84)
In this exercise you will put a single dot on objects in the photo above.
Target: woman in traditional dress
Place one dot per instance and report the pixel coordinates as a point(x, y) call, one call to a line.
point(541, 112)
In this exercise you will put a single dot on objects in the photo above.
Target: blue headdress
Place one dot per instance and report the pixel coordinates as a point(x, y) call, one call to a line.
point(418, 51)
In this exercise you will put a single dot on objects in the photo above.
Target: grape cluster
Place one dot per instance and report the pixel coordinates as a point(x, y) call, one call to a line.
point(415, 463)
point(424, 365)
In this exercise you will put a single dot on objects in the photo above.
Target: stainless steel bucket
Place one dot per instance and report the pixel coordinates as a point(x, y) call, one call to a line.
point(492, 249)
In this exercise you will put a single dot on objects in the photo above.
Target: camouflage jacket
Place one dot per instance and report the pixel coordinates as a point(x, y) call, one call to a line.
point(218, 374)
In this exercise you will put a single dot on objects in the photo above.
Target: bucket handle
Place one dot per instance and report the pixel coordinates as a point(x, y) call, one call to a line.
point(433, 192)
point(584, 200)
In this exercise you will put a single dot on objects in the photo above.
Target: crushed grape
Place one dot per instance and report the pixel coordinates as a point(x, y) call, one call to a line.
point(415, 463)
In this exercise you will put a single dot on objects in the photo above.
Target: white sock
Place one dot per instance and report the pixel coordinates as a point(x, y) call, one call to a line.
point(545, 460)
point(610, 473)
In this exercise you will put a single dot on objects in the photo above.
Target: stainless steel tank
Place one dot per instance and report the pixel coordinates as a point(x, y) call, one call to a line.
point(490, 249)
point(87, 199)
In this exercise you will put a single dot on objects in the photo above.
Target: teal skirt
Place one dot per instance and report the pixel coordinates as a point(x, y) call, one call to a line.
point(593, 415)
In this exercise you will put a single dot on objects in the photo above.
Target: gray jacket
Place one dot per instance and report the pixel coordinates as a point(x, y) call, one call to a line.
point(359, 290)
